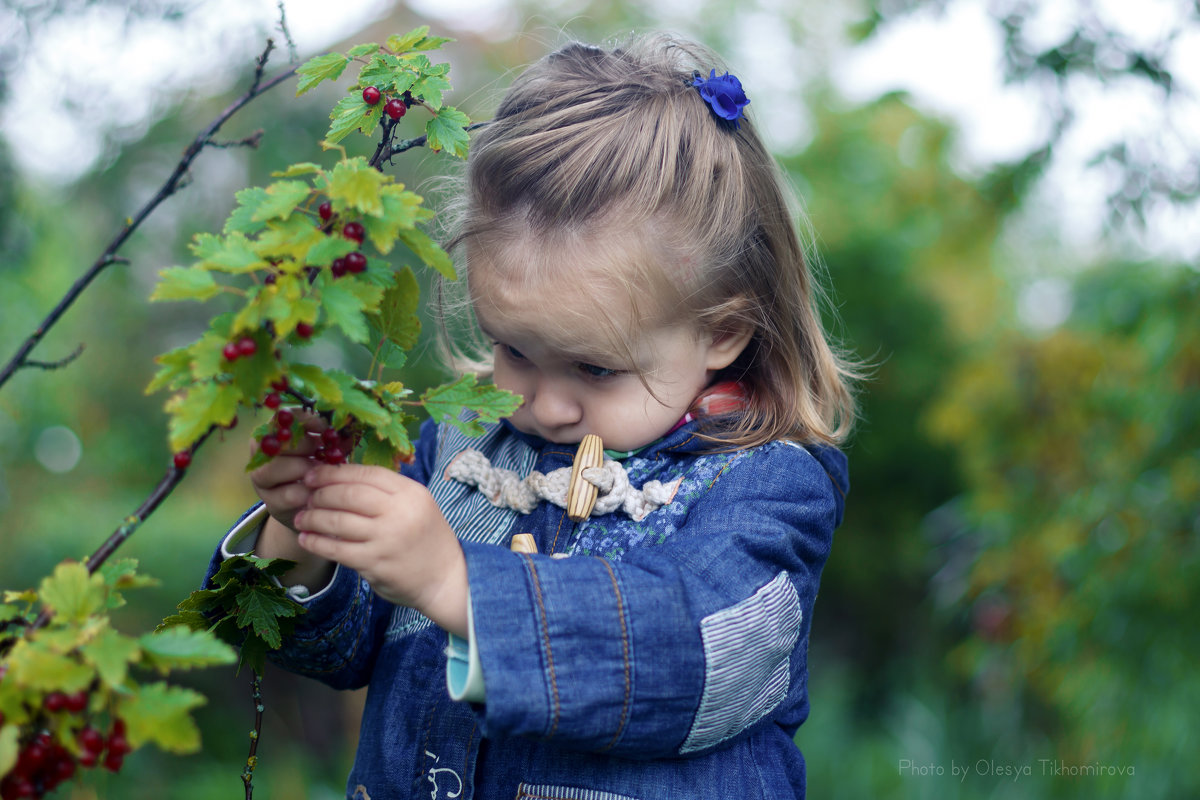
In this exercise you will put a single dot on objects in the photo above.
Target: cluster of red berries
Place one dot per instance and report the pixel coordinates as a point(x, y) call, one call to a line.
point(43, 763)
point(242, 348)
point(272, 443)
point(354, 262)
point(336, 447)
point(395, 107)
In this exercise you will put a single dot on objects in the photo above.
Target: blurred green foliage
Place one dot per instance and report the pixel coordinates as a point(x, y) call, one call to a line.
point(1008, 596)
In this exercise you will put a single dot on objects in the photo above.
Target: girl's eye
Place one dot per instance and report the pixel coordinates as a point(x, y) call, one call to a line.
point(512, 352)
point(593, 371)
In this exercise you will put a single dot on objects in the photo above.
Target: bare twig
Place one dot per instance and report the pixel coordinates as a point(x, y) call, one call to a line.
point(62, 362)
point(172, 185)
point(252, 757)
point(385, 152)
point(293, 56)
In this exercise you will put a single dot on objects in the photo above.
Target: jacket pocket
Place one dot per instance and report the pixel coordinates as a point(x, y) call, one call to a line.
point(529, 791)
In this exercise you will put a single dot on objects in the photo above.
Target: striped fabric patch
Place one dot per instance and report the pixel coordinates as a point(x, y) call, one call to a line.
point(466, 508)
point(747, 650)
point(529, 791)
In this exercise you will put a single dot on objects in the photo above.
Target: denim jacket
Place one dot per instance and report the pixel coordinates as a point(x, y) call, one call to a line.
point(663, 658)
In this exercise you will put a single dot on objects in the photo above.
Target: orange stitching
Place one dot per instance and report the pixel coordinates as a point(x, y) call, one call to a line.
point(624, 655)
point(537, 588)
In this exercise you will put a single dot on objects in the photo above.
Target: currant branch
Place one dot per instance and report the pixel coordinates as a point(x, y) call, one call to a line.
point(173, 183)
point(255, 735)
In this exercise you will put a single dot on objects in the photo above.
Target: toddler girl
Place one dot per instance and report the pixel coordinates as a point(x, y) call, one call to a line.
point(630, 255)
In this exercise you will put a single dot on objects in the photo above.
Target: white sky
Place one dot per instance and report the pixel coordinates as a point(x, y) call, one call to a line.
point(949, 62)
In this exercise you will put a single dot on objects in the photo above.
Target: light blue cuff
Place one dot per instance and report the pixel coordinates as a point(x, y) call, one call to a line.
point(464, 673)
point(242, 540)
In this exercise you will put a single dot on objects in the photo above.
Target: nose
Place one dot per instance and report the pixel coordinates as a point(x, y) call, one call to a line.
point(553, 404)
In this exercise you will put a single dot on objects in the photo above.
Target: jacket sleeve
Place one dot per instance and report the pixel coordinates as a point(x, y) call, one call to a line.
point(337, 638)
point(677, 648)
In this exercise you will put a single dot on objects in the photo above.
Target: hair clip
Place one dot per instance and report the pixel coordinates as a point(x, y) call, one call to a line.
point(724, 95)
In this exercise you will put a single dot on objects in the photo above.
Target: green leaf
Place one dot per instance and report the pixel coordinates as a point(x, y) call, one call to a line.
point(401, 43)
point(184, 648)
point(299, 168)
point(357, 402)
point(259, 608)
point(365, 49)
point(241, 219)
point(352, 113)
point(345, 303)
point(429, 251)
point(185, 283)
point(230, 253)
point(35, 667)
point(175, 370)
point(447, 131)
point(160, 714)
point(432, 83)
point(354, 183)
point(318, 383)
point(122, 574)
point(323, 252)
point(72, 593)
point(282, 199)
point(445, 404)
point(401, 209)
point(397, 320)
point(196, 409)
point(9, 747)
point(321, 68)
point(110, 653)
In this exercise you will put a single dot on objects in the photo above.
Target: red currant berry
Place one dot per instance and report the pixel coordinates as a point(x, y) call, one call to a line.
point(87, 759)
point(23, 787)
point(325, 211)
point(272, 401)
point(284, 418)
point(354, 230)
point(117, 743)
point(284, 434)
point(280, 385)
point(113, 761)
point(230, 351)
point(304, 330)
point(182, 460)
point(247, 346)
point(395, 108)
point(55, 701)
point(338, 267)
point(371, 95)
point(356, 262)
point(64, 770)
point(334, 455)
point(329, 437)
point(270, 445)
point(77, 701)
point(91, 740)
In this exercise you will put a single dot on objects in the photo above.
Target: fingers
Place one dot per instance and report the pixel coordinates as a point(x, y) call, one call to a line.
point(357, 498)
point(380, 478)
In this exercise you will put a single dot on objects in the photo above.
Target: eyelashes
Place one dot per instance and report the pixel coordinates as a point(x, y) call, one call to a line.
point(593, 372)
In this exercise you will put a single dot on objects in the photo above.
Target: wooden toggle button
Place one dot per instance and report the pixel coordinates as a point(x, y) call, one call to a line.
point(581, 495)
point(523, 543)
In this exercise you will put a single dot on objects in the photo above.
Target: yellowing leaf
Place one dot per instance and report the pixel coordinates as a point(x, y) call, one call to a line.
point(321, 68)
point(198, 408)
point(281, 200)
point(185, 283)
point(160, 714)
point(111, 653)
point(8, 748)
point(176, 367)
point(182, 648)
point(35, 667)
point(429, 251)
point(354, 183)
point(401, 209)
point(72, 593)
point(231, 253)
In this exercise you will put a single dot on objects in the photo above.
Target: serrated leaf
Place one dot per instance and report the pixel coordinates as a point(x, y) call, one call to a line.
point(196, 409)
point(447, 131)
point(259, 608)
point(397, 320)
point(37, 668)
point(185, 283)
point(282, 199)
point(356, 402)
point(322, 253)
point(379, 453)
point(354, 183)
point(317, 382)
point(365, 49)
point(288, 239)
point(346, 302)
point(432, 82)
point(120, 574)
point(241, 219)
point(401, 209)
point(446, 403)
point(160, 714)
point(176, 368)
point(299, 168)
point(398, 43)
point(72, 593)
point(429, 251)
point(321, 68)
point(184, 648)
point(231, 253)
point(352, 113)
point(111, 653)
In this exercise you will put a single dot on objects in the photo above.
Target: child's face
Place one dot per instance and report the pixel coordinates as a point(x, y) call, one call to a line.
point(552, 347)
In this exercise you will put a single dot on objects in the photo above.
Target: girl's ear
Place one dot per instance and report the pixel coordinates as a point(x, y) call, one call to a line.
point(727, 343)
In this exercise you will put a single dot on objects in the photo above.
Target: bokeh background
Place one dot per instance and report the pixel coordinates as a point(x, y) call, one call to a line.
point(1002, 195)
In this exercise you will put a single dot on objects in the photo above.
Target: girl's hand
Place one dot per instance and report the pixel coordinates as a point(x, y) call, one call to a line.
point(389, 529)
point(279, 482)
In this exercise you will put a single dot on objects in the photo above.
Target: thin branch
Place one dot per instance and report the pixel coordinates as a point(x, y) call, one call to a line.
point(172, 185)
point(255, 734)
point(293, 56)
point(252, 141)
point(62, 362)
point(385, 152)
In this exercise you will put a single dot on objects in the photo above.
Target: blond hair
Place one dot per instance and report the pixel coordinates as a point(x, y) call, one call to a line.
point(589, 139)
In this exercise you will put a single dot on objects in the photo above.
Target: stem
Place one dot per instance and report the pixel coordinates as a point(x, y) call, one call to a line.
point(252, 756)
point(172, 184)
